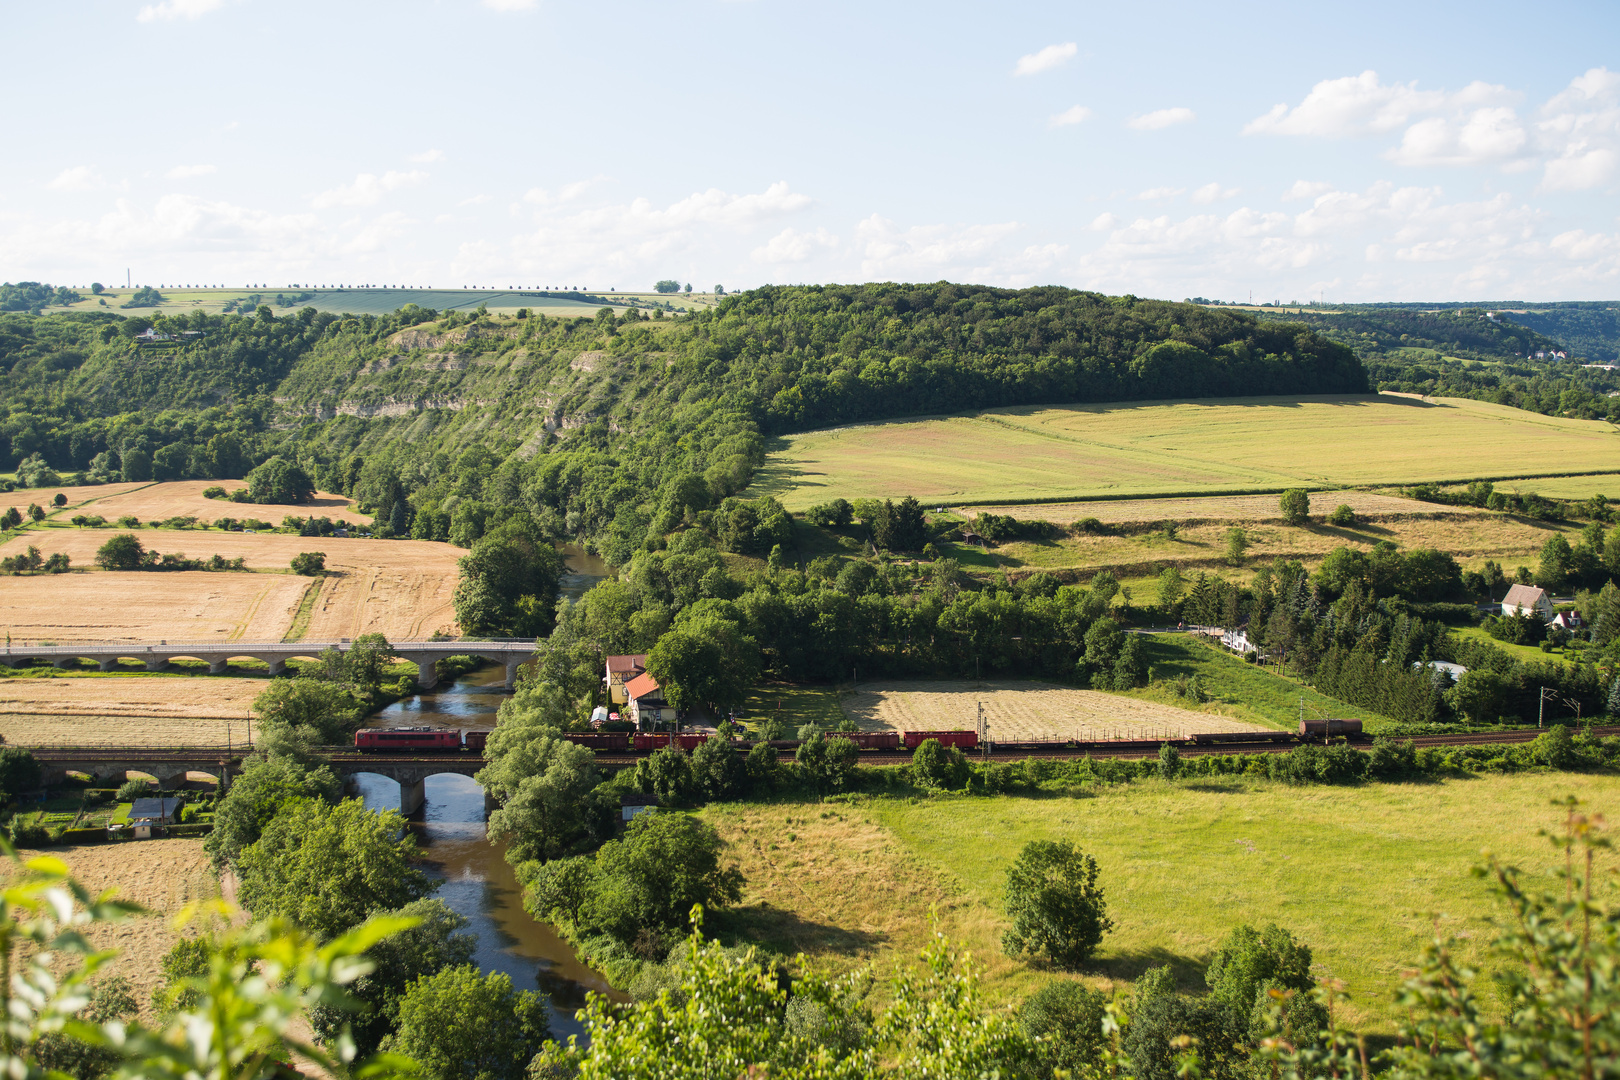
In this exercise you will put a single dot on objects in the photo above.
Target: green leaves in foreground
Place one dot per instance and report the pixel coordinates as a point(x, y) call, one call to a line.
point(259, 979)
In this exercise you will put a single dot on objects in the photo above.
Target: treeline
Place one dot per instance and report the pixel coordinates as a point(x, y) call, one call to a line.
point(1559, 388)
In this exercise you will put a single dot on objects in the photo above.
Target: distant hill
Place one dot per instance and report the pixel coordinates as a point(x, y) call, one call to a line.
point(596, 426)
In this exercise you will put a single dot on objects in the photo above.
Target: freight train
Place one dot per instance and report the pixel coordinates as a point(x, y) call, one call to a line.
point(450, 740)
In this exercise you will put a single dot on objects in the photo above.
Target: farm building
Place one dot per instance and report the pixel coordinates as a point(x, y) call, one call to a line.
point(647, 704)
point(620, 670)
point(1528, 600)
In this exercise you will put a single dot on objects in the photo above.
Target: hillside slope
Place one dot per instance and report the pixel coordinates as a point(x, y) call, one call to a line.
point(600, 425)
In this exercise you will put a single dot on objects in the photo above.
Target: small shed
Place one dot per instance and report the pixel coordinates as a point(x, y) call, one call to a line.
point(145, 813)
point(631, 805)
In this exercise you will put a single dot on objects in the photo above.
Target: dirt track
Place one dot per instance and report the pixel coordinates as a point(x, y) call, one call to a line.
point(1017, 711)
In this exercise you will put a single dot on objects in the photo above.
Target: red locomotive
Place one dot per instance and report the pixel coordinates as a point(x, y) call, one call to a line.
point(411, 738)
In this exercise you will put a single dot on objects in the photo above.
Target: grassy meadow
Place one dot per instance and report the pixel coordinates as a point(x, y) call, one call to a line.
point(1232, 445)
point(1363, 874)
point(1471, 536)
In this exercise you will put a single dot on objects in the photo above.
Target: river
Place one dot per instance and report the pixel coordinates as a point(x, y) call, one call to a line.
point(478, 884)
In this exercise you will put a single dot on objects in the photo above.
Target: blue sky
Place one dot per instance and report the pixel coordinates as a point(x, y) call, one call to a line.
point(1376, 151)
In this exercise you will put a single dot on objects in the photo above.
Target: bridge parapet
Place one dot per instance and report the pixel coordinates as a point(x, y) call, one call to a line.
point(218, 654)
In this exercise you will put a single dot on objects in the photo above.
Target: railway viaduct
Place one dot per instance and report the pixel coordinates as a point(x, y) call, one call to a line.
point(218, 654)
point(168, 765)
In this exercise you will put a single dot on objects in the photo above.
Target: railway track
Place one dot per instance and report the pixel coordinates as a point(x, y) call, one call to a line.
point(1134, 749)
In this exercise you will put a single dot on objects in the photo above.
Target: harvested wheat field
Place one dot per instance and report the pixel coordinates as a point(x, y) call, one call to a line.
point(400, 588)
point(76, 496)
point(1020, 711)
point(179, 606)
point(184, 498)
point(1217, 508)
point(163, 876)
point(108, 728)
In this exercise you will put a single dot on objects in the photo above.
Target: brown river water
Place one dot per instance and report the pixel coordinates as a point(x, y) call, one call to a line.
point(478, 883)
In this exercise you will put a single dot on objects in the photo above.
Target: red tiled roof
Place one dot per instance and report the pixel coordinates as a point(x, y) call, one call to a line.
point(641, 686)
point(635, 662)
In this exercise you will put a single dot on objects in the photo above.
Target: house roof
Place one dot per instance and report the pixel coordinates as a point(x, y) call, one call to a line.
point(153, 809)
point(1524, 595)
point(632, 662)
point(641, 685)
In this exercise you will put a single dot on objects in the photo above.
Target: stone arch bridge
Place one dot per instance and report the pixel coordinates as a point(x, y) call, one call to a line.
point(167, 765)
point(218, 654)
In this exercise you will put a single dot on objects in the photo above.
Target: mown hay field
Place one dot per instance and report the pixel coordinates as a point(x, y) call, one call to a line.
point(1022, 711)
point(400, 588)
point(1231, 444)
point(1364, 875)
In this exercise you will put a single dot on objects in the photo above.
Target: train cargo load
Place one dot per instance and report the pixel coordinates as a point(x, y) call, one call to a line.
point(600, 740)
point(967, 740)
point(411, 738)
point(1319, 728)
point(475, 740)
point(1224, 738)
point(690, 742)
point(650, 740)
point(873, 740)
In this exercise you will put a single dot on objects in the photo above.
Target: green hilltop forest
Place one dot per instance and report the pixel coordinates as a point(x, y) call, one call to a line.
point(1461, 351)
point(595, 427)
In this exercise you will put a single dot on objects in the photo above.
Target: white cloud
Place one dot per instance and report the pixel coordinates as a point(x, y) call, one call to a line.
point(368, 188)
point(1213, 192)
point(1306, 189)
point(474, 200)
point(1104, 222)
point(186, 172)
point(427, 157)
point(1153, 194)
point(889, 253)
point(792, 246)
point(510, 5)
point(78, 178)
point(1579, 131)
point(1482, 137)
point(1160, 118)
point(1079, 114)
point(178, 9)
point(1045, 60)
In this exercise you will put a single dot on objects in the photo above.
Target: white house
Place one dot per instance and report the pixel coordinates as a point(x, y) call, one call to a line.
point(1529, 600)
point(1238, 641)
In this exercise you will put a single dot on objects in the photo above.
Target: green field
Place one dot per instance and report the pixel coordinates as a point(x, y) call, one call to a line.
point(1568, 487)
point(1161, 448)
point(1363, 874)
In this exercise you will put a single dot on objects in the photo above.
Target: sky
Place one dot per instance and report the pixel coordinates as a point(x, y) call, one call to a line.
point(1408, 151)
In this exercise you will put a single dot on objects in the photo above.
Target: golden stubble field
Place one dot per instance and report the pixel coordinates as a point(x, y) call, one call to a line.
point(1022, 711)
point(133, 710)
point(76, 496)
point(400, 588)
point(162, 876)
point(1174, 447)
point(184, 498)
